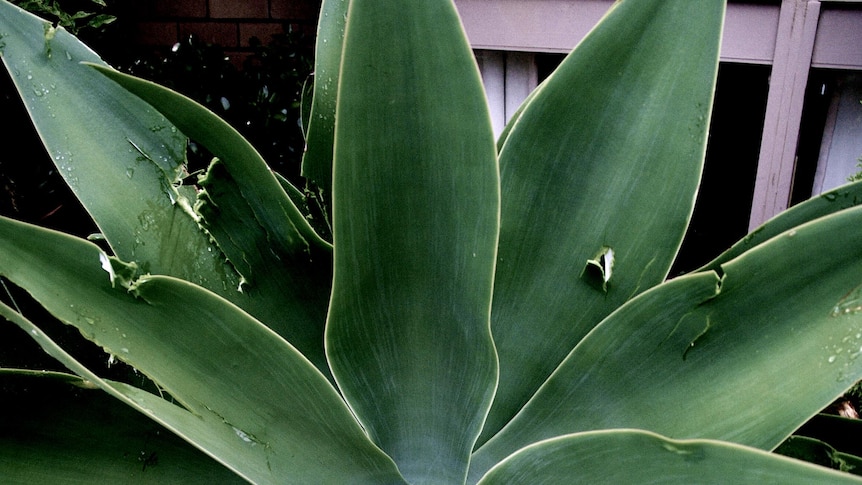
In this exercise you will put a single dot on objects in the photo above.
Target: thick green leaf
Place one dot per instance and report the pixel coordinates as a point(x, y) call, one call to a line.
point(286, 290)
point(835, 200)
point(602, 165)
point(416, 202)
point(273, 209)
point(121, 158)
point(270, 242)
point(248, 397)
point(285, 265)
point(317, 159)
point(90, 438)
point(687, 364)
point(637, 457)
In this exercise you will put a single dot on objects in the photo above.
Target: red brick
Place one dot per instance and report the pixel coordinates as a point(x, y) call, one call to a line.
point(239, 9)
point(156, 33)
point(184, 8)
point(220, 33)
point(294, 9)
point(263, 31)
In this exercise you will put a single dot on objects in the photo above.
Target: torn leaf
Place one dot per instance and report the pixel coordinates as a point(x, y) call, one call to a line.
point(598, 270)
point(118, 271)
point(170, 178)
point(50, 32)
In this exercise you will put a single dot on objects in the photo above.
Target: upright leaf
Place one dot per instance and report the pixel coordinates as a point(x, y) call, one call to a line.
point(599, 175)
point(317, 159)
point(416, 204)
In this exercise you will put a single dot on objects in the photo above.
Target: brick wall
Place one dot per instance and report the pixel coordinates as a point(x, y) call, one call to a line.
point(228, 23)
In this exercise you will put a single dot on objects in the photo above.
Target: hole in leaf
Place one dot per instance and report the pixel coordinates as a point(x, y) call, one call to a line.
point(599, 269)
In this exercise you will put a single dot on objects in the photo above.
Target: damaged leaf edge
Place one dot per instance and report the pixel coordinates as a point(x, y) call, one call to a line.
point(138, 87)
point(707, 296)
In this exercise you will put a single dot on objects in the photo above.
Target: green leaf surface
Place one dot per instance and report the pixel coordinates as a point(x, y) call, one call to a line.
point(318, 156)
point(606, 155)
point(686, 364)
point(637, 457)
point(121, 158)
point(282, 220)
point(289, 294)
point(416, 198)
point(247, 396)
point(285, 265)
point(90, 438)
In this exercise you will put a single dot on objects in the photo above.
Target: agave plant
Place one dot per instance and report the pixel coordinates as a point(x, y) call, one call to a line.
point(484, 312)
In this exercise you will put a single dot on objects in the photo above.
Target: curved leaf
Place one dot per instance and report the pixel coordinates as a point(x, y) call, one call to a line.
point(286, 288)
point(793, 301)
point(258, 184)
point(122, 159)
point(416, 198)
point(635, 457)
point(285, 265)
point(209, 431)
point(248, 397)
point(835, 200)
point(602, 164)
